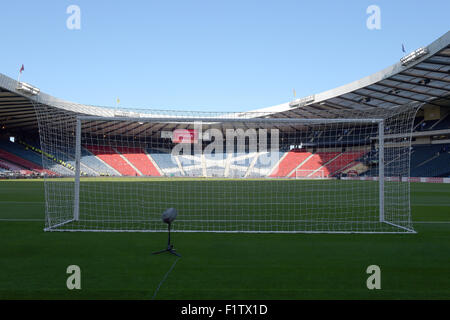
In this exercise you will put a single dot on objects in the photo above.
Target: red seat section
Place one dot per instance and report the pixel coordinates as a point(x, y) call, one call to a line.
point(112, 158)
point(9, 166)
point(13, 159)
point(317, 161)
point(342, 161)
point(289, 163)
point(140, 160)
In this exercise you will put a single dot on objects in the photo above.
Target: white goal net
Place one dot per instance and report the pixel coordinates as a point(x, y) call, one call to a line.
point(226, 172)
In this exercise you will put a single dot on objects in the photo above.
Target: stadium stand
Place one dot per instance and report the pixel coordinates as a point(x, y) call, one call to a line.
point(443, 123)
point(21, 152)
point(264, 163)
point(239, 164)
point(317, 161)
point(12, 158)
point(164, 161)
point(431, 161)
point(113, 159)
point(342, 161)
point(57, 165)
point(32, 155)
point(8, 166)
point(215, 165)
point(98, 166)
point(140, 160)
point(292, 160)
point(422, 153)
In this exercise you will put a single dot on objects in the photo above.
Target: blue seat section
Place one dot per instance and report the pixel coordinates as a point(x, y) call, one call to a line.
point(444, 124)
point(265, 164)
point(420, 153)
point(165, 162)
point(192, 165)
point(439, 166)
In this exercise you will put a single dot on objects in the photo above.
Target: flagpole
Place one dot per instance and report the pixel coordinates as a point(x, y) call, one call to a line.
point(117, 105)
point(20, 73)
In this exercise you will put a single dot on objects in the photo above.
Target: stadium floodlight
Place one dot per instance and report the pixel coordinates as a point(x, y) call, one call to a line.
point(413, 56)
point(302, 101)
point(27, 88)
point(247, 177)
point(168, 217)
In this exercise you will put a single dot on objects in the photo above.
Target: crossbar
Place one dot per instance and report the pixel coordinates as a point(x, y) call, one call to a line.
point(248, 120)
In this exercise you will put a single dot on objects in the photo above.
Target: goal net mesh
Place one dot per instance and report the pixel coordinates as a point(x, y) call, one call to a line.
point(226, 172)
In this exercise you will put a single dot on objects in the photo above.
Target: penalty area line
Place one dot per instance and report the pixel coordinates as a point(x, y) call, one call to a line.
point(20, 220)
point(164, 278)
point(431, 222)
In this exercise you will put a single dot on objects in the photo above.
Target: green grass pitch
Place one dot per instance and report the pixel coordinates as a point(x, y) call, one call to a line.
point(222, 266)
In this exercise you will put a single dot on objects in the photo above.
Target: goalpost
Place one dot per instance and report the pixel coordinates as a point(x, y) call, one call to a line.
point(218, 172)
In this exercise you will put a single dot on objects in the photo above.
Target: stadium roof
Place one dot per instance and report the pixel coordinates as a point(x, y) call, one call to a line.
point(422, 76)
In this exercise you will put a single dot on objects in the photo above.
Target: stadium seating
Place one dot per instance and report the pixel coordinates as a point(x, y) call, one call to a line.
point(8, 166)
point(289, 163)
point(95, 164)
point(430, 161)
point(316, 162)
point(426, 161)
point(27, 153)
point(112, 158)
point(89, 164)
point(192, 165)
point(14, 159)
point(139, 159)
point(421, 153)
point(215, 165)
point(22, 152)
point(341, 162)
point(264, 164)
point(443, 124)
point(165, 162)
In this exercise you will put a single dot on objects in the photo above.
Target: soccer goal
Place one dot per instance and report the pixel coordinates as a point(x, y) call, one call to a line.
point(221, 171)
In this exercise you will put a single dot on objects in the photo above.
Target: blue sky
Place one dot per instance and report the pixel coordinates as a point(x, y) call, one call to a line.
point(207, 55)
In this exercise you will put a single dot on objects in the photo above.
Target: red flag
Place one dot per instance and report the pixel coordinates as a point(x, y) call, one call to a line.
point(21, 69)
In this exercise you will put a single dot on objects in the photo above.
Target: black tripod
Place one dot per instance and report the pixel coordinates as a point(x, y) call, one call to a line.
point(170, 248)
